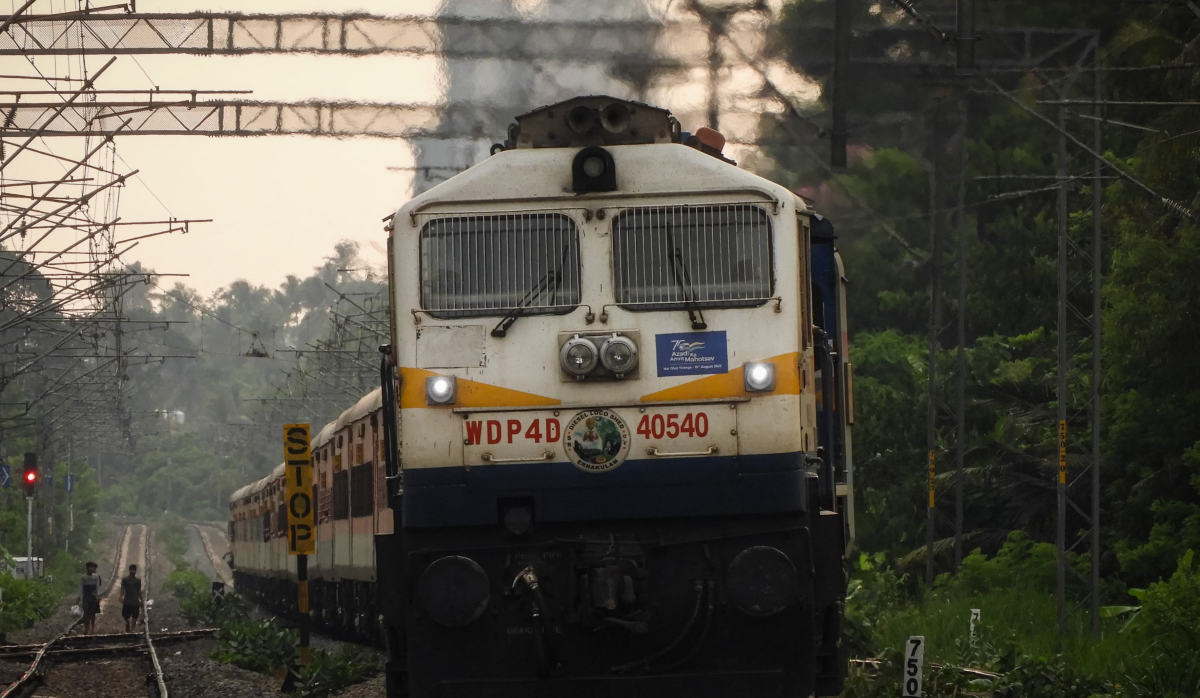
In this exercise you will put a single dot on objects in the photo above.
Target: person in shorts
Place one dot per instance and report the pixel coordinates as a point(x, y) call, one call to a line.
point(89, 598)
point(131, 599)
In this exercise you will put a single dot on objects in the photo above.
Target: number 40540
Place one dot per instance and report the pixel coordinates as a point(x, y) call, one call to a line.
point(670, 426)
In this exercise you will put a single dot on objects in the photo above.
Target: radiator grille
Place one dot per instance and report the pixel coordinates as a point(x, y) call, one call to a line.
point(490, 265)
point(692, 256)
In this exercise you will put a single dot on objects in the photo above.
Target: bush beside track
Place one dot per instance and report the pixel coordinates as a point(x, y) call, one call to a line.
point(264, 646)
point(1150, 650)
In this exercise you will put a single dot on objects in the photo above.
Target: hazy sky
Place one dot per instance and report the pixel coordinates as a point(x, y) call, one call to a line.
point(279, 203)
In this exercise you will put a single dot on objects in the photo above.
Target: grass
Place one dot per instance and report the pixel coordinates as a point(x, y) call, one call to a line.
point(1157, 655)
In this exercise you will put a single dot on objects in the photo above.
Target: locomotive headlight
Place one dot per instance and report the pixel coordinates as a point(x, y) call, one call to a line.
point(760, 376)
point(454, 591)
point(578, 356)
point(593, 167)
point(441, 390)
point(619, 355)
point(762, 581)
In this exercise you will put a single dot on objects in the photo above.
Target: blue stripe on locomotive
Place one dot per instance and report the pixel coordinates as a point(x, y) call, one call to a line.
point(643, 488)
point(826, 287)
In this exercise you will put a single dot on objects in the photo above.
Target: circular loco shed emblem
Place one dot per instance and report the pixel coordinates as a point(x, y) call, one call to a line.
point(596, 440)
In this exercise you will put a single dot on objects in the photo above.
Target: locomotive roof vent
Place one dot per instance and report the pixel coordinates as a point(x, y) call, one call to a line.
point(593, 120)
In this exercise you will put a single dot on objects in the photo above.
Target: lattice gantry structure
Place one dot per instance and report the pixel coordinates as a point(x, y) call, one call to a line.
point(708, 60)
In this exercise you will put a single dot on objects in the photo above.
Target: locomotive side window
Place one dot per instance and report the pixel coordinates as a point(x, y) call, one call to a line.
point(476, 266)
point(667, 257)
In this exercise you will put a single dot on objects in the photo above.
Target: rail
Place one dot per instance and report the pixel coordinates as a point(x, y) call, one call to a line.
point(122, 541)
point(66, 647)
point(219, 566)
point(160, 684)
point(34, 671)
point(86, 645)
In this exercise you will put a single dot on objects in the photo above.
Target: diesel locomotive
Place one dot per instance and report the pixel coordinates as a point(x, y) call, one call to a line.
point(611, 452)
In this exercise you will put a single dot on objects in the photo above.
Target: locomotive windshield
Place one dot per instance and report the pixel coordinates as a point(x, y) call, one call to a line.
point(490, 265)
point(692, 256)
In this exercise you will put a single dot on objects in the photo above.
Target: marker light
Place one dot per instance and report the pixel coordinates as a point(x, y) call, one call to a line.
point(593, 170)
point(578, 356)
point(441, 390)
point(518, 520)
point(619, 355)
point(759, 376)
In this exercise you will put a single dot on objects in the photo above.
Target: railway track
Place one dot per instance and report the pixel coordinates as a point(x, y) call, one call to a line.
point(112, 664)
point(218, 563)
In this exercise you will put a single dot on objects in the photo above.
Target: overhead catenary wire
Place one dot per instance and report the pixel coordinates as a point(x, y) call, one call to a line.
point(1170, 204)
point(64, 339)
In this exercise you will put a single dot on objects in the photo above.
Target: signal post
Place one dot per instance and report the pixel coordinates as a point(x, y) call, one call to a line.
point(301, 518)
point(29, 480)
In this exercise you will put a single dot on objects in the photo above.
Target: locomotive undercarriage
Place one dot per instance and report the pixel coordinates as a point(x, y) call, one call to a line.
point(729, 607)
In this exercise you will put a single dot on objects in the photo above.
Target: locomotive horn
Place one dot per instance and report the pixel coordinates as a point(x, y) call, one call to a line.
point(581, 119)
point(614, 118)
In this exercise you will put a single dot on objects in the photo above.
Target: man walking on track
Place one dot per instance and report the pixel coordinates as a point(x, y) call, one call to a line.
point(131, 599)
point(89, 598)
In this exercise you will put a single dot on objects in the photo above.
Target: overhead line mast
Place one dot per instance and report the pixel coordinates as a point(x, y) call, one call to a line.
point(1006, 50)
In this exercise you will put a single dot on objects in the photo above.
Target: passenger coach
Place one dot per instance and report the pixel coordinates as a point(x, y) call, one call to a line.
point(348, 488)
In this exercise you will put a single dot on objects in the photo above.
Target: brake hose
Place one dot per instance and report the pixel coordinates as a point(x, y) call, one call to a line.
point(542, 649)
point(698, 587)
point(708, 614)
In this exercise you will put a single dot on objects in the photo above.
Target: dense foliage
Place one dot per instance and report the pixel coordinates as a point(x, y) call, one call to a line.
point(25, 602)
point(978, 138)
point(1153, 653)
point(1151, 287)
point(243, 341)
point(65, 528)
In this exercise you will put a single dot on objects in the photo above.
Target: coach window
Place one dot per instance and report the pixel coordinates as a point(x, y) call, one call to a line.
point(477, 266)
point(673, 257)
point(341, 495)
point(362, 498)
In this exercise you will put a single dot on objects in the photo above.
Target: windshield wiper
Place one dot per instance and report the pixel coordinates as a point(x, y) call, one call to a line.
point(552, 279)
point(684, 281)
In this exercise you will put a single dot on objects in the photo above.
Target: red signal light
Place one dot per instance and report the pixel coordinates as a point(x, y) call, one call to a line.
point(30, 481)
